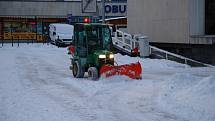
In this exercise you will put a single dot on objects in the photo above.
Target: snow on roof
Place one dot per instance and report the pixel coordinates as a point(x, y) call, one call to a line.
point(60, 24)
point(115, 18)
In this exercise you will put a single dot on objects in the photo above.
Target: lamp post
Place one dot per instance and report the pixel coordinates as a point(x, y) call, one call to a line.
point(103, 11)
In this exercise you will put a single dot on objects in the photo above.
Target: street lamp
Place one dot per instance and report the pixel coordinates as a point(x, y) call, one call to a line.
point(103, 11)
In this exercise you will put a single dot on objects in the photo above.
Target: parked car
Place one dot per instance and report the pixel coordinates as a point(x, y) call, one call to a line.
point(61, 34)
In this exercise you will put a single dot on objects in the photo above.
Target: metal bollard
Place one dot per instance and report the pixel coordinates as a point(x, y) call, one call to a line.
point(2, 42)
point(47, 40)
point(18, 41)
point(43, 40)
point(12, 41)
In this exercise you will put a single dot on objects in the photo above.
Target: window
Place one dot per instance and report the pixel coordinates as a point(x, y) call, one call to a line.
point(209, 17)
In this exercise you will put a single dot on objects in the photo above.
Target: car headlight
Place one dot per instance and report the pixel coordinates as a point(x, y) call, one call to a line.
point(102, 56)
point(111, 56)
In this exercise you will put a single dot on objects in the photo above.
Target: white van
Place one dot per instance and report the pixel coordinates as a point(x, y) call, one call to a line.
point(61, 34)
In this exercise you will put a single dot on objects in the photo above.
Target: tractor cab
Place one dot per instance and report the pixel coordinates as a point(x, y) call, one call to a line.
point(92, 37)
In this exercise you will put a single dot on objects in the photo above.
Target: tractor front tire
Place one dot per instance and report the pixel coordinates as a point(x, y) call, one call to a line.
point(77, 70)
point(93, 73)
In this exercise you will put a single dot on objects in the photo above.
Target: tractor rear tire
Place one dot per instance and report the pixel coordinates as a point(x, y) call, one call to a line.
point(93, 73)
point(77, 70)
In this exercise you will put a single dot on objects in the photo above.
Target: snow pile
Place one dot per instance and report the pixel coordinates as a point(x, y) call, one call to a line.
point(190, 97)
point(148, 63)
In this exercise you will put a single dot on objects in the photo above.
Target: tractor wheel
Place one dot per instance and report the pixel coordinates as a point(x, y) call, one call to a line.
point(93, 73)
point(77, 70)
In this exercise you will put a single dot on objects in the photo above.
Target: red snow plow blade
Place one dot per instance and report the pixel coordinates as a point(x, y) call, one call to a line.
point(133, 70)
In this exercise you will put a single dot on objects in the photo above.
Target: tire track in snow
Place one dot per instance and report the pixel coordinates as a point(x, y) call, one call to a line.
point(71, 98)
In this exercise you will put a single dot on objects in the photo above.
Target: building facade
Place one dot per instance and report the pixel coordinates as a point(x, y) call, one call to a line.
point(186, 27)
point(29, 19)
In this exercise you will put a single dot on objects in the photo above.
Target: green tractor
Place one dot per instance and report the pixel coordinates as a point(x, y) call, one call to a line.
point(91, 49)
point(92, 52)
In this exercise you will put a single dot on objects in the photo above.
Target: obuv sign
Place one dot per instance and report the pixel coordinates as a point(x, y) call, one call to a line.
point(115, 8)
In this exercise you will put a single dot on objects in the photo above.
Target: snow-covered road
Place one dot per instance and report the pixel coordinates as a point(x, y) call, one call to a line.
point(37, 85)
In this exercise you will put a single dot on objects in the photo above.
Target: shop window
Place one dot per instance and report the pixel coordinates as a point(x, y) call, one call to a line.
point(19, 27)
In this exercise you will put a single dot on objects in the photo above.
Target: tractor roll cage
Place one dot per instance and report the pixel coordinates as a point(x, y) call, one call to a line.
point(91, 37)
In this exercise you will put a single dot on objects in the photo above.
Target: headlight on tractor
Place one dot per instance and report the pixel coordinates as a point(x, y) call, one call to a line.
point(111, 56)
point(102, 56)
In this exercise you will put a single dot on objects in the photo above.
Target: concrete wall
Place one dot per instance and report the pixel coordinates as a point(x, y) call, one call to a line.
point(164, 21)
point(36, 8)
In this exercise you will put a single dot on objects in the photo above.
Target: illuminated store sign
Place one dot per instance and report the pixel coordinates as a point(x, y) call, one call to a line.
point(115, 9)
